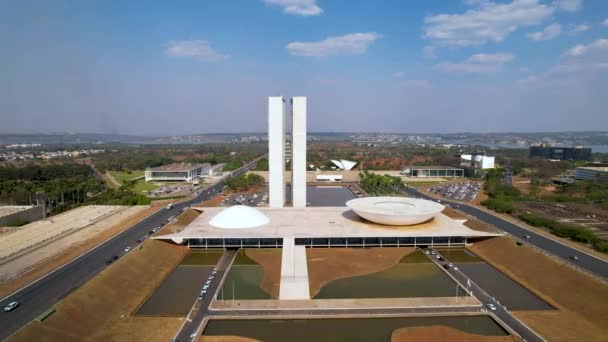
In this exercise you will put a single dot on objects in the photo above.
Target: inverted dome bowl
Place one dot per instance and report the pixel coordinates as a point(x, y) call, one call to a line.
point(395, 211)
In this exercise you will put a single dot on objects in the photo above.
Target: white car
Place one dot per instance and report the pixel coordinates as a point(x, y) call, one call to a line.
point(491, 306)
point(127, 249)
point(11, 306)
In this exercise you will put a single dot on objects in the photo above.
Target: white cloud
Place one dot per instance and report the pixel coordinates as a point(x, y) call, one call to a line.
point(478, 63)
point(349, 44)
point(429, 52)
point(547, 33)
point(599, 46)
point(605, 22)
point(398, 74)
point(297, 7)
point(490, 22)
point(197, 49)
point(576, 29)
point(568, 5)
point(579, 61)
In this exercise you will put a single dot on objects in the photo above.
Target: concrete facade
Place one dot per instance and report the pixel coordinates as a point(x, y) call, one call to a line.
point(276, 151)
point(298, 164)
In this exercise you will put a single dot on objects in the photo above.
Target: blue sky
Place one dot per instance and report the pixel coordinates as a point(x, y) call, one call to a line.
point(164, 67)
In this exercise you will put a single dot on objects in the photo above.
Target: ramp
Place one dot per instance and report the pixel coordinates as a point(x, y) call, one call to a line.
point(294, 271)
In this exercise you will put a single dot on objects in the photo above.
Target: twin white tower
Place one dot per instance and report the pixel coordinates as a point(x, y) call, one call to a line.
point(276, 151)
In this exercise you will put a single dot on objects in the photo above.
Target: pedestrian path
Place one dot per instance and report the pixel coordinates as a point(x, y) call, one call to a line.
point(294, 271)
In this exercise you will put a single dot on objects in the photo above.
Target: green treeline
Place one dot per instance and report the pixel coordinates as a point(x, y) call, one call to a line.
point(574, 232)
point(243, 182)
point(380, 184)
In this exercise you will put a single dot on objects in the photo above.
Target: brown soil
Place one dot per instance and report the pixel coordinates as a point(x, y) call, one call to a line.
point(225, 339)
point(326, 265)
point(579, 297)
point(471, 223)
point(480, 226)
point(180, 222)
point(443, 334)
point(561, 325)
point(270, 260)
point(451, 213)
point(214, 202)
point(101, 308)
point(72, 253)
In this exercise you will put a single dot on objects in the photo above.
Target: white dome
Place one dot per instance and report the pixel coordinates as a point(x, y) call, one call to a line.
point(239, 217)
point(399, 211)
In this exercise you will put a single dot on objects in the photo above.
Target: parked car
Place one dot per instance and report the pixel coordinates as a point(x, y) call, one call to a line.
point(11, 306)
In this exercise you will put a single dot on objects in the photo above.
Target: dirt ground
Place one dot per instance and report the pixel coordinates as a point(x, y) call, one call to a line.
point(270, 260)
point(180, 222)
point(101, 309)
point(226, 339)
point(473, 224)
point(579, 298)
point(61, 259)
point(443, 334)
point(562, 326)
point(328, 264)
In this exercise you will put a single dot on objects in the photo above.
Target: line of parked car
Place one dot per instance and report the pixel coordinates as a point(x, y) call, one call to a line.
point(207, 284)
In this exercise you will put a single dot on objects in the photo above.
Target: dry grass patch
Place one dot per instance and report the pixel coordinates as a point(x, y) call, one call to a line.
point(442, 334)
point(180, 222)
point(581, 298)
point(451, 213)
point(204, 338)
point(328, 264)
point(270, 260)
point(70, 254)
point(103, 305)
point(480, 226)
point(558, 325)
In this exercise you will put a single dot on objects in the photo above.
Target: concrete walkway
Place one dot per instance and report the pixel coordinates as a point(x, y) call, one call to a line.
point(294, 271)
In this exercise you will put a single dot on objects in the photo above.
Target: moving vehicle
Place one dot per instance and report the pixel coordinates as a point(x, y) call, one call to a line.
point(527, 236)
point(574, 257)
point(491, 306)
point(11, 306)
point(127, 249)
point(169, 206)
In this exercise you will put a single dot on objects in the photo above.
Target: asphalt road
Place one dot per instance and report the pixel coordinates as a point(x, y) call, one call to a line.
point(585, 261)
point(189, 330)
point(37, 297)
point(522, 330)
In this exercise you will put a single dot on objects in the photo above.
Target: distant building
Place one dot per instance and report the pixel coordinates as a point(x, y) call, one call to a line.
point(478, 161)
point(432, 171)
point(597, 174)
point(560, 153)
point(329, 178)
point(343, 164)
point(177, 172)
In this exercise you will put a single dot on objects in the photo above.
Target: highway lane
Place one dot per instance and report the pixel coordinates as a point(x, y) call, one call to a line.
point(505, 316)
point(585, 261)
point(189, 331)
point(44, 293)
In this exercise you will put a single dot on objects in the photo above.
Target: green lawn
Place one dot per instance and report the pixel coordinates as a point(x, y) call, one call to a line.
point(140, 185)
point(123, 176)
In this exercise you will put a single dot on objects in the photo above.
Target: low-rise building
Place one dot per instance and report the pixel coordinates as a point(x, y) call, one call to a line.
point(432, 171)
point(477, 161)
point(560, 153)
point(177, 172)
point(589, 173)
